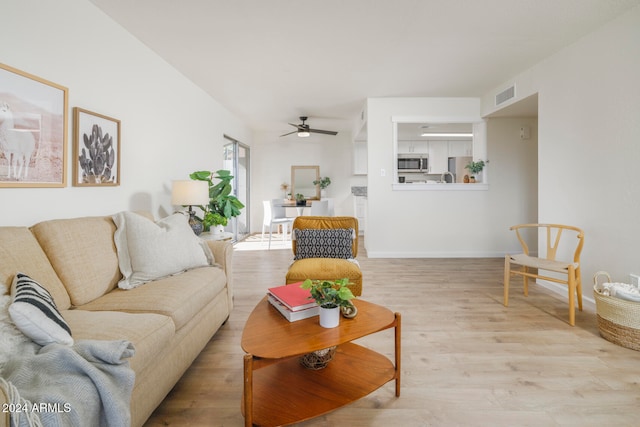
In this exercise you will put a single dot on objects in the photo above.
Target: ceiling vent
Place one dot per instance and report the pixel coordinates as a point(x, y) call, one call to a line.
point(505, 95)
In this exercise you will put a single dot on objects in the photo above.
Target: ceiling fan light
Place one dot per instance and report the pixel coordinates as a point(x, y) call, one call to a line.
point(303, 134)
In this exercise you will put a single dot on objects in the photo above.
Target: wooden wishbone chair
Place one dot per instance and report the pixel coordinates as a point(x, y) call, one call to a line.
point(532, 266)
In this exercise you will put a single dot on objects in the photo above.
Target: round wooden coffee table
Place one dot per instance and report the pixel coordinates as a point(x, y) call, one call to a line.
point(278, 390)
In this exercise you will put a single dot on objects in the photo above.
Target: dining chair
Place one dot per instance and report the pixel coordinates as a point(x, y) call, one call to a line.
point(274, 215)
point(531, 266)
point(320, 208)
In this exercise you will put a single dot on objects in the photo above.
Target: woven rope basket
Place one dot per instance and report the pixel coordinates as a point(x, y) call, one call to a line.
point(318, 359)
point(618, 319)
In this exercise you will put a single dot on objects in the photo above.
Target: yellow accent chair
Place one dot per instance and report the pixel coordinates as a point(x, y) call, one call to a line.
point(325, 255)
point(532, 266)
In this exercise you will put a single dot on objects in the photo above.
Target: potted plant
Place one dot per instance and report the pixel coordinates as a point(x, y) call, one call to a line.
point(300, 200)
point(222, 204)
point(331, 296)
point(323, 182)
point(475, 168)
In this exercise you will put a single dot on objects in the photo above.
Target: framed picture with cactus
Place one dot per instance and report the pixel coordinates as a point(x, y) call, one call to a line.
point(33, 130)
point(96, 149)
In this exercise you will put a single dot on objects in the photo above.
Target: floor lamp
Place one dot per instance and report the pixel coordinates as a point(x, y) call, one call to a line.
point(191, 193)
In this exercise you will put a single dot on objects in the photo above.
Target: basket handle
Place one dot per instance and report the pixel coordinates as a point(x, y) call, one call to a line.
point(596, 286)
point(601, 273)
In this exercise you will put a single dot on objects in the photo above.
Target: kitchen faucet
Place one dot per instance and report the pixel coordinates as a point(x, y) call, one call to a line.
point(453, 178)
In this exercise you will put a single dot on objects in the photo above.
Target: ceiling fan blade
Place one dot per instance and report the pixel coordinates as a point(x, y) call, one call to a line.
point(295, 131)
point(326, 132)
point(295, 126)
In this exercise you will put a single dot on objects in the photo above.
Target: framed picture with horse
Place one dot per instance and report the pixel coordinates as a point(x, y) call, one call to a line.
point(33, 130)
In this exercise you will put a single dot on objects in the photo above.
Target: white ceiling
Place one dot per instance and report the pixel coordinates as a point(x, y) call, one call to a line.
point(272, 61)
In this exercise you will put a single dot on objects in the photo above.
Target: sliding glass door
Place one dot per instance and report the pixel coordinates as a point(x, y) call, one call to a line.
point(236, 159)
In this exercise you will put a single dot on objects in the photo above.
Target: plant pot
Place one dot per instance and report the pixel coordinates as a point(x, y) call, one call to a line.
point(329, 317)
point(217, 229)
point(301, 202)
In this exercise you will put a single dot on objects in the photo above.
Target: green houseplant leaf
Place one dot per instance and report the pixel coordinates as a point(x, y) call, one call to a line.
point(330, 293)
point(323, 182)
point(222, 204)
point(475, 167)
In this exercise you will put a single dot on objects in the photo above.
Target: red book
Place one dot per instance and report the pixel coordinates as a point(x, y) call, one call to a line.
point(293, 296)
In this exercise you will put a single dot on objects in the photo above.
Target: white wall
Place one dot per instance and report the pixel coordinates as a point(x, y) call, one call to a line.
point(273, 157)
point(514, 173)
point(444, 223)
point(589, 143)
point(169, 126)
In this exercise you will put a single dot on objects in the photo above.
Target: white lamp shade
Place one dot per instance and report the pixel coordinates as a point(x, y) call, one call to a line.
point(190, 192)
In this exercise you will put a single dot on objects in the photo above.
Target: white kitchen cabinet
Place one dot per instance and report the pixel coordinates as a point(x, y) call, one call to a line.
point(360, 158)
point(438, 156)
point(413, 147)
point(460, 148)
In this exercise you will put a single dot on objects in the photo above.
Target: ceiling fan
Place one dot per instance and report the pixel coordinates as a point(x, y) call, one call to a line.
point(304, 131)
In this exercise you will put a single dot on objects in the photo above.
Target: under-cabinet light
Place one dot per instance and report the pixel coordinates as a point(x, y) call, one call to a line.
point(447, 135)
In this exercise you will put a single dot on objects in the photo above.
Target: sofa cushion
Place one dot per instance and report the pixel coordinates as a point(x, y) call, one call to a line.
point(149, 333)
point(35, 313)
point(179, 297)
point(150, 250)
point(82, 252)
point(20, 251)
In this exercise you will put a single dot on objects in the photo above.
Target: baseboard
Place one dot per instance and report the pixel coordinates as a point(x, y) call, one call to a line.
point(562, 290)
point(436, 254)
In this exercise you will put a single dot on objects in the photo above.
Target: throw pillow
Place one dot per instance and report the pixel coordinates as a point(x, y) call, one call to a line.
point(35, 313)
point(13, 343)
point(150, 250)
point(324, 243)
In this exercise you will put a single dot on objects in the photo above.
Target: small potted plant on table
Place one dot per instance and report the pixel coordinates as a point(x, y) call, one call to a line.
point(475, 168)
point(300, 200)
point(331, 296)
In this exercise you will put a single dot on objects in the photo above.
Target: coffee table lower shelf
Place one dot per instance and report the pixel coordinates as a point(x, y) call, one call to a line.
point(284, 392)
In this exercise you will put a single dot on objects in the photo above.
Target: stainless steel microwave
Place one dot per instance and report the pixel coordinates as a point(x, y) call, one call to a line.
point(412, 164)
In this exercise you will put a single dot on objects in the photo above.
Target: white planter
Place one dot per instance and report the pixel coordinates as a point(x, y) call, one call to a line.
point(329, 317)
point(217, 229)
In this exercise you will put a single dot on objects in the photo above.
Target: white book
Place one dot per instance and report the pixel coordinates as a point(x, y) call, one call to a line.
point(292, 316)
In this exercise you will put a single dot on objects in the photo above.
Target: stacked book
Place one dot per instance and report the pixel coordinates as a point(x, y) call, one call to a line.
point(293, 302)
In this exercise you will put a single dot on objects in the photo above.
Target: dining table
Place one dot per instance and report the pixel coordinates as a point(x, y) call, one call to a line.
point(293, 204)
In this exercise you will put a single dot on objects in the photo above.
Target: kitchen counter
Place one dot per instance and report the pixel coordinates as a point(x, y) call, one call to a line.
point(359, 191)
point(439, 187)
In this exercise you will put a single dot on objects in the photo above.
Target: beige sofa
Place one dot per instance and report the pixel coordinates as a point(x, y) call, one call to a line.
point(169, 321)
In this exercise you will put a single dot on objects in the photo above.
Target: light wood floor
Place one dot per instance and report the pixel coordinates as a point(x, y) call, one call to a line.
point(467, 360)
